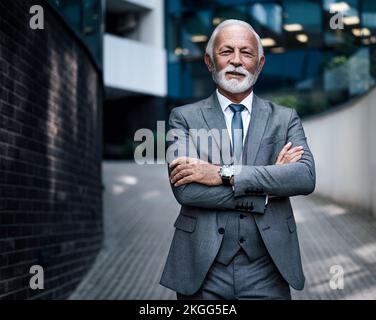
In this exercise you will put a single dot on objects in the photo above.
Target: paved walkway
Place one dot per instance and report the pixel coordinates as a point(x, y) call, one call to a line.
point(140, 209)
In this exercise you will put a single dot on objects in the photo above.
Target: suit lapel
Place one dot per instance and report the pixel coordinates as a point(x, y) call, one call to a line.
point(257, 125)
point(215, 119)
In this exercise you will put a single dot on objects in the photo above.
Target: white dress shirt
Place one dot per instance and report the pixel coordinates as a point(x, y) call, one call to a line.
point(246, 113)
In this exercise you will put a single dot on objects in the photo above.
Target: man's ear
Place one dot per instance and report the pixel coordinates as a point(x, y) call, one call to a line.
point(261, 64)
point(208, 62)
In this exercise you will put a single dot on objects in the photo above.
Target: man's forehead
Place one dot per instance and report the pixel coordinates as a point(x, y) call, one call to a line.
point(235, 34)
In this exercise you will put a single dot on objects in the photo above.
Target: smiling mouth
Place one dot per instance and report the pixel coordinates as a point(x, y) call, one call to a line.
point(233, 73)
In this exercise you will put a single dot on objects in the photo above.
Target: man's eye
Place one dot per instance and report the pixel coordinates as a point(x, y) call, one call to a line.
point(226, 52)
point(248, 54)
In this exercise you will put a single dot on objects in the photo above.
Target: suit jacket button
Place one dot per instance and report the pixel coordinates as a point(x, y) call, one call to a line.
point(241, 240)
point(241, 216)
point(221, 230)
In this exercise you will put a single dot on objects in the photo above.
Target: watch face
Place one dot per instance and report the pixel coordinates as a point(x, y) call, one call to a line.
point(226, 171)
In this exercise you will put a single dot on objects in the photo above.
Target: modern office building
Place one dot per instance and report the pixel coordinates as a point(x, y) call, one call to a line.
point(309, 64)
point(135, 72)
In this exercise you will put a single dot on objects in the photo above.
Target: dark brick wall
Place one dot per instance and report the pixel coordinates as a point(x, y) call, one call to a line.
point(50, 155)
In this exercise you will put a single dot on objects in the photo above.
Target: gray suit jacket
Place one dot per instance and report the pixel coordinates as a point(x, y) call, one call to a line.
point(204, 209)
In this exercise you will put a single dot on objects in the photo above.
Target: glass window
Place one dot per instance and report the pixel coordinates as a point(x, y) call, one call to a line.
point(195, 29)
point(72, 11)
point(90, 17)
point(173, 7)
point(343, 36)
point(268, 15)
point(194, 5)
point(266, 19)
point(233, 12)
point(369, 14)
point(85, 18)
point(302, 23)
point(309, 65)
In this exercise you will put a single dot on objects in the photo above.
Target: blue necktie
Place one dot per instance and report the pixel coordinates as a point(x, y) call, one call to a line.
point(237, 131)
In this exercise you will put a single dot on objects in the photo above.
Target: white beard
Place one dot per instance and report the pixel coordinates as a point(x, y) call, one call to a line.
point(234, 85)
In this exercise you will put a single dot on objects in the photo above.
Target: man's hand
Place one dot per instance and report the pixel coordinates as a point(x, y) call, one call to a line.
point(289, 156)
point(187, 170)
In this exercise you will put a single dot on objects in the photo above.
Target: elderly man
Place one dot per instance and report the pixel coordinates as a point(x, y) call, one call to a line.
point(235, 236)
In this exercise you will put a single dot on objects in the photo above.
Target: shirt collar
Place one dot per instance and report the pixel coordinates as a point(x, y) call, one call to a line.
point(225, 102)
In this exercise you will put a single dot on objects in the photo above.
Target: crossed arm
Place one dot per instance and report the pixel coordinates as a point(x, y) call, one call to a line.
point(196, 183)
point(290, 179)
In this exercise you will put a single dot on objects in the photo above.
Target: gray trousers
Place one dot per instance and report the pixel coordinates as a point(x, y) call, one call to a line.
point(242, 279)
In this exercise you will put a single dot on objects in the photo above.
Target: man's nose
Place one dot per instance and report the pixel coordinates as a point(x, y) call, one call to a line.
point(236, 61)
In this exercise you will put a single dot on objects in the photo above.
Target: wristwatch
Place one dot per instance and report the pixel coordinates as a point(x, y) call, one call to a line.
point(226, 172)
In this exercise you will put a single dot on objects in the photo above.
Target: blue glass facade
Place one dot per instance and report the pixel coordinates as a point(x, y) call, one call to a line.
point(309, 65)
point(86, 19)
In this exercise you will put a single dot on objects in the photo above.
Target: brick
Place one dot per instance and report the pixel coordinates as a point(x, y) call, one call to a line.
point(43, 218)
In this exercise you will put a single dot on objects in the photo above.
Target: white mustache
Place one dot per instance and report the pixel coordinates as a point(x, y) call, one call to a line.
point(236, 69)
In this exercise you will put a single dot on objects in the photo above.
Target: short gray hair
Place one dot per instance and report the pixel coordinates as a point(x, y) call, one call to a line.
point(233, 22)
